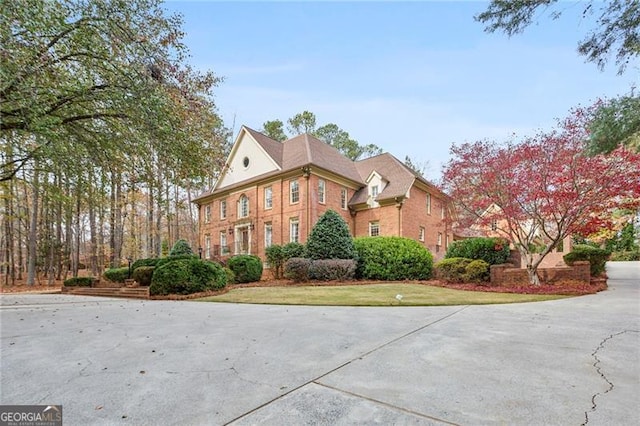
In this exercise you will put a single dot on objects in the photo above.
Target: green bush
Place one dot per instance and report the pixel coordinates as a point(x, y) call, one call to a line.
point(330, 238)
point(143, 275)
point(151, 261)
point(291, 250)
point(494, 251)
point(333, 269)
point(596, 257)
point(231, 277)
point(477, 271)
point(117, 275)
point(186, 276)
point(165, 260)
point(79, 282)
point(275, 258)
point(625, 256)
point(452, 269)
point(392, 258)
point(246, 268)
point(181, 248)
point(297, 269)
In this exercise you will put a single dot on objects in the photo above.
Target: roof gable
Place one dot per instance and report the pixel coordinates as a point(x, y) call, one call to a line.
point(253, 154)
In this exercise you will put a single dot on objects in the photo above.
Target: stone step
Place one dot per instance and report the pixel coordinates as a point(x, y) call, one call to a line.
point(134, 292)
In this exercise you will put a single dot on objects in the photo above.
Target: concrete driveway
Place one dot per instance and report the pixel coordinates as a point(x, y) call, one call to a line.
point(110, 361)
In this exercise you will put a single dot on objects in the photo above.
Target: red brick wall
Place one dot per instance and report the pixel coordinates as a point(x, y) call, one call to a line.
point(503, 275)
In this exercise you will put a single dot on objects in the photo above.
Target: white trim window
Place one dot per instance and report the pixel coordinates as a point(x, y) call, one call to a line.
point(374, 229)
point(223, 209)
point(207, 246)
point(442, 211)
point(207, 213)
point(224, 249)
point(294, 192)
point(421, 234)
point(428, 203)
point(268, 198)
point(322, 188)
point(268, 235)
point(294, 230)
point(243, 206)
point(343, 198)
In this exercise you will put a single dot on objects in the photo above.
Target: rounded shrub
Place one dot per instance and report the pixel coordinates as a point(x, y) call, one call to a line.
point(143, 274)
point(291, 250)
point(275, 258)
point(494, 251)
point(596, 257)
point(79, 282)
point(333, 269)
point(151, 261)
point(117, 275)
point(477, 271)
point(186, 276)
point(246, 268)
point(330, 238)
point(181, 248)
point(392, 258)
point(297, 269)
point(452, 269)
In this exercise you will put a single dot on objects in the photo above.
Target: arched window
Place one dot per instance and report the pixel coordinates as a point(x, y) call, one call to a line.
point(243, 206)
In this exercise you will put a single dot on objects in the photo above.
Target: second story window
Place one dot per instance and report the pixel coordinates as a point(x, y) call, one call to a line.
point(294, 193)
point(374, 229)
point(321, 191)
point(442, 211)
point(343, 198)
point(207, 213)
point(428, 203)
point(243, 206)
point(268, 197)
point(223, 209)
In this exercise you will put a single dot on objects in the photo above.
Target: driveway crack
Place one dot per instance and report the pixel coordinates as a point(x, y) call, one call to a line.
point(598, 367)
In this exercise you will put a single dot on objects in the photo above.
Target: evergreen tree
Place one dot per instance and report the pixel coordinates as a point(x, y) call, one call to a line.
point(330, 238)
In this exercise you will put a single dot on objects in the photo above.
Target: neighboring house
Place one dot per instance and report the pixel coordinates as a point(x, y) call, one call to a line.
point(488, 226)
point(272, 192)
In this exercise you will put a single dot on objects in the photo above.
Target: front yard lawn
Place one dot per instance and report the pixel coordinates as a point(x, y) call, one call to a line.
point(383, 294)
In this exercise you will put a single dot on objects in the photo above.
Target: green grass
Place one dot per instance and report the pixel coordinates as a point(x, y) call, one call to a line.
point(372, 295)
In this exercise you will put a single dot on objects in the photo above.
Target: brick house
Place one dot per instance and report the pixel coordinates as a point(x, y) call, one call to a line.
point(272, 192)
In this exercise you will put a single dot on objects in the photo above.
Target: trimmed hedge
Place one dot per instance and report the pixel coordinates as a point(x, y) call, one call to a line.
point(477, 271)
point(392, 258)
point(246, 268)
point(452, 269)
point(462, 269)
point(596, 257)
point(117, 275)
point(294, 250)
point(625, 256)
point(186, 276)
point(143, 275)
point(333, 269)
point(330, 238)
point(151, 261)
point(79, 282)
point(494, 251)
point(297, 269)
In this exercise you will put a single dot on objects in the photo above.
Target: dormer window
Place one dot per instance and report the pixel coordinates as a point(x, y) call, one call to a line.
point(374, 191)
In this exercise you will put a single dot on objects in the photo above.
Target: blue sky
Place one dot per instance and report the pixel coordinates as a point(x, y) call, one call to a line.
point(410, 77)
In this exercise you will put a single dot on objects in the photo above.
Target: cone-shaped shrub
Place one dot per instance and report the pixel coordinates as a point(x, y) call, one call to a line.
point(331, 239)
point(181, 248)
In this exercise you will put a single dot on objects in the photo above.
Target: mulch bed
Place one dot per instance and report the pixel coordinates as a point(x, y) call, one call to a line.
point(564, 287)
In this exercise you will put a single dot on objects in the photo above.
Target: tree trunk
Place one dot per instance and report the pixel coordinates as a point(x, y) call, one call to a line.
point(33, 228)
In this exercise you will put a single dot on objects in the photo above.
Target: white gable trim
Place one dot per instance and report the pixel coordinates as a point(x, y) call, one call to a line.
point(260, 161)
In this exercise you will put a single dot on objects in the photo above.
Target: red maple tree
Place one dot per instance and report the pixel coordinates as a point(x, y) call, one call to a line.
point(540, 190)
